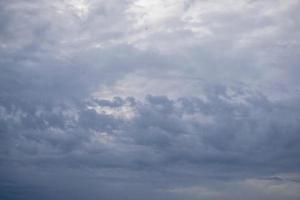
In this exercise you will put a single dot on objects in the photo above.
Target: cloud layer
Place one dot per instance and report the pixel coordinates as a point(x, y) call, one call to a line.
point(149, 100)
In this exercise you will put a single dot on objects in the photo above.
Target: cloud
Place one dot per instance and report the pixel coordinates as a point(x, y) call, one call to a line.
point(257, 138)
point(149, 100)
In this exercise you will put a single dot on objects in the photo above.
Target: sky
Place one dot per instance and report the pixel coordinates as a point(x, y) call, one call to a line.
point(152, 100)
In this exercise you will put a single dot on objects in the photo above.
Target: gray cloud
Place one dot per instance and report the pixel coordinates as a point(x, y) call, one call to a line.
point(149, 100)
point(164, 137)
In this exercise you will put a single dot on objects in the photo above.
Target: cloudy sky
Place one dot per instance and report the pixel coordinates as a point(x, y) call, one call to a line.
point(153, 100)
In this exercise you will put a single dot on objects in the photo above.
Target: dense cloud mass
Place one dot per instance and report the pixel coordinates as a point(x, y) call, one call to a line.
point(138, 99)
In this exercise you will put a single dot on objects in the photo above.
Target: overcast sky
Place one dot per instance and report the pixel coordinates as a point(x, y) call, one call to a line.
point(149, 99)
